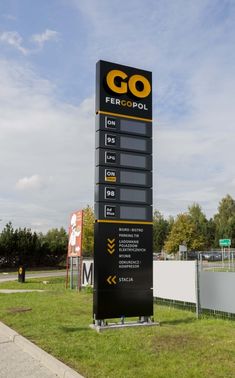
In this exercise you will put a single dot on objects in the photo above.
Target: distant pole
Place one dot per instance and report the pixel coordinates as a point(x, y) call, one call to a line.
point(71, 272)
point(80, 257)
point(67, 271)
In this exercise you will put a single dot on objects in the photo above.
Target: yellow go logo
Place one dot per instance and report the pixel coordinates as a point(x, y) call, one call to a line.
point(130, 83)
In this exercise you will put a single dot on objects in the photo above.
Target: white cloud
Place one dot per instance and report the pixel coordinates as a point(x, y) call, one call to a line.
point(14, 39)
point(9, 16)
point(29, 183)
point(47, 35)
point(52, 139)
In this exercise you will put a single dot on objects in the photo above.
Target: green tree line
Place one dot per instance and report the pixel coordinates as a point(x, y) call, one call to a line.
point(192, 228)
point(23, 246)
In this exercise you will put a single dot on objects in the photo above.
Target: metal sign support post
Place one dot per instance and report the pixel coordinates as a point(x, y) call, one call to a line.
point(75, 249)
point(67, 272)
point(225, 243)
point(80, 258)
point(71, 272)
point(198, 307)
point(79, 273)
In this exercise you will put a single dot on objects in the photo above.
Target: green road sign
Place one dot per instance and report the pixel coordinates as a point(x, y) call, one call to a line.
point(225, 242)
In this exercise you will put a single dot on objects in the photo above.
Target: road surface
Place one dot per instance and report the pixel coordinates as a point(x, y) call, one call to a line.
point(12, 277)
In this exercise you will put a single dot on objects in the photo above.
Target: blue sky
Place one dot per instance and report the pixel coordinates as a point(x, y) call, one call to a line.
point(48, 52)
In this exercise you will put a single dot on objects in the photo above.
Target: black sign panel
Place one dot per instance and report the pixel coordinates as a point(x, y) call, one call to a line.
point(123, 90)
point(106, 139)
point(117, 211)
point(123, 159)
point(118, 176)
point(123, 125)
point(123, 270)
point(123, 194)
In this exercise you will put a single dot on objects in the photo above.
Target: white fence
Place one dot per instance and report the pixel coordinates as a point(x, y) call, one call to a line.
point(175, 280)
point(171, 279)
point(217, 291)
point(181, 281)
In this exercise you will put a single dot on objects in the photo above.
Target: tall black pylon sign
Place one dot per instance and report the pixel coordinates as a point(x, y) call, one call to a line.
point(123, 193)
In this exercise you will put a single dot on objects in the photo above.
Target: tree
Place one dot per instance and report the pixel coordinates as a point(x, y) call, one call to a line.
point(88, 231)
point(211, 233)
point(26, 243)
point(200, 222)
point(8, 248)
point(225, 220)
point(183, 231)
point(161, 228)
point(55, 245)
point(22, 246)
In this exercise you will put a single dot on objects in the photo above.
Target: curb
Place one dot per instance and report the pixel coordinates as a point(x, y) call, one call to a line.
point(56, 366)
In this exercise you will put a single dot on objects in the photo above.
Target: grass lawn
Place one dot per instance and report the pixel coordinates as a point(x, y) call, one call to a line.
point(58, 321)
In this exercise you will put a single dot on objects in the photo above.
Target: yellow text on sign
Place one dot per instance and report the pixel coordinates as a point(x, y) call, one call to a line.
point(131, 83)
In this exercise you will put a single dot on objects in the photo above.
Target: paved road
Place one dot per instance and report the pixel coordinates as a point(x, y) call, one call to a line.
point(13, 277)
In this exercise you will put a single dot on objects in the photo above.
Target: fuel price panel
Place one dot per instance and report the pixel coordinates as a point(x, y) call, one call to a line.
point(123, 169)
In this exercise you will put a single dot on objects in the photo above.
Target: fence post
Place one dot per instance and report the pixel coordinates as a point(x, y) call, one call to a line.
point(197, 285)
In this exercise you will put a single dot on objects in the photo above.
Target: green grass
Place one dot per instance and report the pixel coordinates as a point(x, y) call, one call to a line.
point(58, 321)
point(47, 284)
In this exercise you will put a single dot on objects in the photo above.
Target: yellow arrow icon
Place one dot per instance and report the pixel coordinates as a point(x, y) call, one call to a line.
point(112, 280)
point(110, 246)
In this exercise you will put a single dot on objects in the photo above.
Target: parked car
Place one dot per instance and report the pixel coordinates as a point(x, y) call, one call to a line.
point(212, 256)
point(157, 256)
point(216, 256)
point(193, 255)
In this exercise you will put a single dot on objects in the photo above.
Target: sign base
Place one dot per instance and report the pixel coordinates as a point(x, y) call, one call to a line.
point(103, 326)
